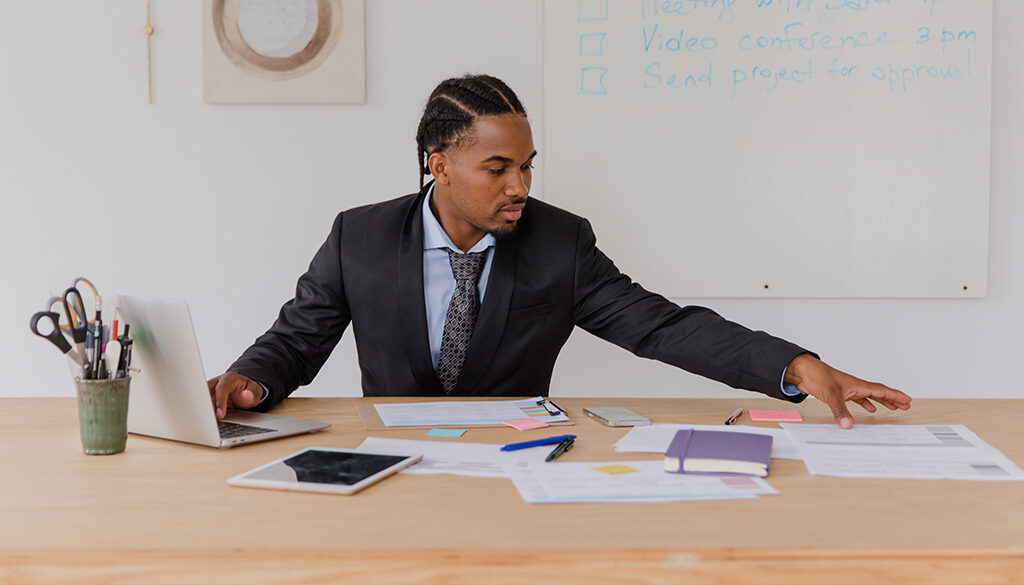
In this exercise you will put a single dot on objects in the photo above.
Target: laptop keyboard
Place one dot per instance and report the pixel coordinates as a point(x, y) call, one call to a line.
point(230, 430)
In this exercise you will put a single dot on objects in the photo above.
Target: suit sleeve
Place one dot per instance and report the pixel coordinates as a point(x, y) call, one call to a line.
point(610, 305)
point(307, 328)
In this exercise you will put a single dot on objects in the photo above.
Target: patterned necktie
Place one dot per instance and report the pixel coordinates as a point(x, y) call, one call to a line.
point(462, 312)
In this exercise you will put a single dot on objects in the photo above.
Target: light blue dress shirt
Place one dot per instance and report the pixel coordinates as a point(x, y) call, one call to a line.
point(789, 389)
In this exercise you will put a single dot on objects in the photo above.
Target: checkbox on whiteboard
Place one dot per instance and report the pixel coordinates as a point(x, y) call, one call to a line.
point(592, 80)
point(592, 10)
point(592, 45)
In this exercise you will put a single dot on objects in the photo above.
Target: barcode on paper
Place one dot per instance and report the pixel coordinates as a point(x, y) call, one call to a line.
point(989, 469)
point(949, 437)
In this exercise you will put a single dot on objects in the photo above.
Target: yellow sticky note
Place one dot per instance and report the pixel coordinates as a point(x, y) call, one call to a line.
point(615, 469)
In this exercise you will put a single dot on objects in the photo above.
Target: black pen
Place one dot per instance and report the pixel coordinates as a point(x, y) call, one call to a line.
point(94, 335)
point(552, 403)
point(97, 349)
point(561, 448)
point(125, 360)
point(544, 403)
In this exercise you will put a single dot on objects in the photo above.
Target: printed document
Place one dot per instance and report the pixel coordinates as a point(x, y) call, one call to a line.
point(655, 438)
point(471, 459)
point(901, 451)
point(475, 413)
point(542, 483)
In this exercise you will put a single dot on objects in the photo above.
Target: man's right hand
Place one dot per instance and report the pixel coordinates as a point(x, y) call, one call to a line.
point(231, 390)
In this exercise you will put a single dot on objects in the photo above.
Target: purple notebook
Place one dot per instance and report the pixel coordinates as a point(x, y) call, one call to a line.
point(693, 451)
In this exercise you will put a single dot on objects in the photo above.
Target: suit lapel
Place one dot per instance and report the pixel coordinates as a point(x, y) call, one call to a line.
point(490, 323)
point(411, 304)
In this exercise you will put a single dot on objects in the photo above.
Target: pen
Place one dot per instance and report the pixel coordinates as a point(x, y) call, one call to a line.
point(96, 356)
point(561, 448)
point(552, 403)
point(544, 403)
point(97, 349)
point(734, 416)
point(125, 360)
point(94, 334)
point(537, 443)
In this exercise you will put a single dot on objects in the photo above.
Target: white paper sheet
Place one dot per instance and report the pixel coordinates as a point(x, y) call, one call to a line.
point(655, 438)
point(540, 483)
point(901, 451)
point(472, 459)
point(475, 413)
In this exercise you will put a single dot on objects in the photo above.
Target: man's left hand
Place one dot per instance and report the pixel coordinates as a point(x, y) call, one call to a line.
point(834, 388)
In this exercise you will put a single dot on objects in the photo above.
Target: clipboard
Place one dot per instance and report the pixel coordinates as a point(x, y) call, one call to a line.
point(371, 419)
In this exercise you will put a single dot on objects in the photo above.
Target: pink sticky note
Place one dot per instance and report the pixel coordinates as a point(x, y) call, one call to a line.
point(740, 481)
point(776, 416)
point(525, 424)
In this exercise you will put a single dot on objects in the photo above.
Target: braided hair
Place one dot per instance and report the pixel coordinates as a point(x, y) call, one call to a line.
point(453, 107)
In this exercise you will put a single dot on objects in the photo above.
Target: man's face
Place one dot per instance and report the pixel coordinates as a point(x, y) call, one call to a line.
point(482, 186)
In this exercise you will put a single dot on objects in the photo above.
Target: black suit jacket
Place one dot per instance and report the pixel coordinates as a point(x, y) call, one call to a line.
point(547, 278)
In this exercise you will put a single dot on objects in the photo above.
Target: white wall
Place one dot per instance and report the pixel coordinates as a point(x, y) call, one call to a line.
point(225, 205)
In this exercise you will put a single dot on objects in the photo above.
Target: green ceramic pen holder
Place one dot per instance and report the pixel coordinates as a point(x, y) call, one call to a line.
point(103, 414)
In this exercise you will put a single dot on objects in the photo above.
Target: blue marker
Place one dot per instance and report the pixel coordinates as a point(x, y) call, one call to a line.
point(537, 443)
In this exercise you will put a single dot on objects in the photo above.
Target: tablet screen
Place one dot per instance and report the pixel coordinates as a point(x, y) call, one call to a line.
point(326, 467)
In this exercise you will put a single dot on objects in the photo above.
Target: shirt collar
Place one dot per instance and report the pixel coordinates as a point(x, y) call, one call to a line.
point(434, 235)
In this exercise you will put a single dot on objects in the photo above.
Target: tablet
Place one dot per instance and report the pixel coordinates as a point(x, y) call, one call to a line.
point(324, 469)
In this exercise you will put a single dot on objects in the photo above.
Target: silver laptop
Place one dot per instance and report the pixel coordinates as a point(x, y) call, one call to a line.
point(169, 397)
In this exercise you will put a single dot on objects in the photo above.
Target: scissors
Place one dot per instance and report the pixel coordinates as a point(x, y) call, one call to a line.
point(77, 325)
point(97, 298)
point(56, 337)
point(75, 313)
point(78, 308)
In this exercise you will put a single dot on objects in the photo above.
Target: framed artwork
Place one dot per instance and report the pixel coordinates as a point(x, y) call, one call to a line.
point(284, 51)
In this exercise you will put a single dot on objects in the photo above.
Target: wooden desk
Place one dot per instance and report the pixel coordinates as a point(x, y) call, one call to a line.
point(161, 512)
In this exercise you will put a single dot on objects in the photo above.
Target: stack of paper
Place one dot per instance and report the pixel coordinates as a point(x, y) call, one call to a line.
point(656, 438)
point(903, 451)
point(472, 459)
point(632, 481)
point(469, 413)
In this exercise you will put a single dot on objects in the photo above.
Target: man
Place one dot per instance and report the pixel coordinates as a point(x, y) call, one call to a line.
point(467, 288)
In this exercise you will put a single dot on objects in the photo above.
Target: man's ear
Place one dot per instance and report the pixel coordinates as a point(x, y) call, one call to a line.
point(438, 165)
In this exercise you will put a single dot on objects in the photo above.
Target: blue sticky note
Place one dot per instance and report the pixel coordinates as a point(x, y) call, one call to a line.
point(445, 432)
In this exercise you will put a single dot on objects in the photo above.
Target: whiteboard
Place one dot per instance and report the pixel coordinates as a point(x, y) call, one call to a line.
point(790, 148)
